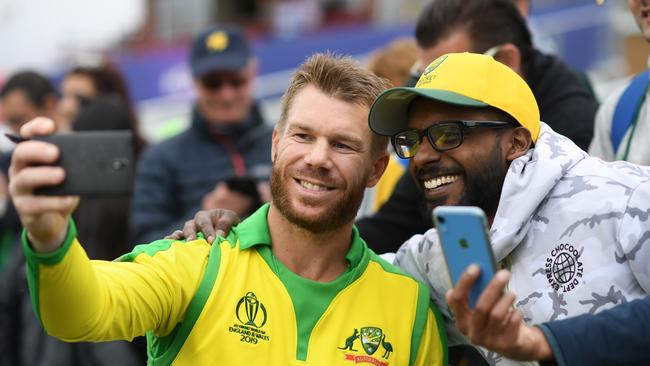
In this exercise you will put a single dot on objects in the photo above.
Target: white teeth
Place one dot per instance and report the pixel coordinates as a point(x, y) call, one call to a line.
point(313, 187)
point(437, 182)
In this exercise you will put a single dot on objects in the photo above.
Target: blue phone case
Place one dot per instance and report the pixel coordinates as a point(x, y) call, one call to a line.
point(464, 239)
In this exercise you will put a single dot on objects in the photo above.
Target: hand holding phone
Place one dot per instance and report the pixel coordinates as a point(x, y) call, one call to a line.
point(96, 163)
point(464, 240)
point(45, 218)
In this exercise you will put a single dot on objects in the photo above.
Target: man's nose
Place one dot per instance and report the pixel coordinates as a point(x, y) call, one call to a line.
point(426, 153)
point(319, 155)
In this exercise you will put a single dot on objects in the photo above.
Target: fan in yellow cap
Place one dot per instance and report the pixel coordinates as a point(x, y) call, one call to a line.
point(467, 79)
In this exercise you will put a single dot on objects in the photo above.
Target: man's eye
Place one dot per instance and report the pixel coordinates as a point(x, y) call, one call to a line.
point(302, 136)
point(340, 146)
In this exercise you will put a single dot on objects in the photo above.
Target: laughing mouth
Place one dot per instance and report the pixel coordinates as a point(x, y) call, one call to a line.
point(440, 181)
point(313, 186)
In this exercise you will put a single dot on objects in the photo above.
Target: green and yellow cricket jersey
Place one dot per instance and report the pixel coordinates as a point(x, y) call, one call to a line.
point(233, 303)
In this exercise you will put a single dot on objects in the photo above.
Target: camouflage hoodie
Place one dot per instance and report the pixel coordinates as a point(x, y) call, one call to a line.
point(572, 229)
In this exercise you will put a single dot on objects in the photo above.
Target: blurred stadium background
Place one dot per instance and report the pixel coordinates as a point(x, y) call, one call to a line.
point(148, 40)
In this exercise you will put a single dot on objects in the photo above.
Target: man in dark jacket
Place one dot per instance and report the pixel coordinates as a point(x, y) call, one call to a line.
point(494, 27)
point(227, 140)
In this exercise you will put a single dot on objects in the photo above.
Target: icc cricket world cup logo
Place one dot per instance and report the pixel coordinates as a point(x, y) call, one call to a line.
point(248, 308)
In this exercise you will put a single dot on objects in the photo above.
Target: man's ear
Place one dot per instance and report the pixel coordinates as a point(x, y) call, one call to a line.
point(520, 143)
point(377, 170)
point(510, 56)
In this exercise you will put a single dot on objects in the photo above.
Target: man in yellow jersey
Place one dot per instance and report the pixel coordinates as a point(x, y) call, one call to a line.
point(291, 285)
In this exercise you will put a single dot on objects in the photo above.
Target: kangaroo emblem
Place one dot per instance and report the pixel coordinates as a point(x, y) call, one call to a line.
point(387, 346)
point(349, 342)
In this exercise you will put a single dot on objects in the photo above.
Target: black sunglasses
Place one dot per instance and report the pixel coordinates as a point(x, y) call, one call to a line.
point(216, 82)
point(442, 136)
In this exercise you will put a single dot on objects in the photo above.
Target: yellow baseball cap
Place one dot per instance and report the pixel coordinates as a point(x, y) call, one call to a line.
point(465, 79)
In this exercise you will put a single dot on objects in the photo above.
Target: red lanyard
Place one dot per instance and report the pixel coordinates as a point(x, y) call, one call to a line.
point(236, 158)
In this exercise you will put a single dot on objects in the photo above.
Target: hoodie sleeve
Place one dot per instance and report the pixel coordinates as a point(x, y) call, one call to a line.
point(633, 235)
point(421, 256)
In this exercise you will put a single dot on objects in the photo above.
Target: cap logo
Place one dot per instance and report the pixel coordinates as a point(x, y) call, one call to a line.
point(217, 41)
point(434, 65)
point(427, 77)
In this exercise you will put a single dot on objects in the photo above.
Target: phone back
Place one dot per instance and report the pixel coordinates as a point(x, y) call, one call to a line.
point(464, 239)
point(97, 163)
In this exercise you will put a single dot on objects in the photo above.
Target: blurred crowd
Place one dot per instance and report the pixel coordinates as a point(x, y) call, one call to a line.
point(223, 159)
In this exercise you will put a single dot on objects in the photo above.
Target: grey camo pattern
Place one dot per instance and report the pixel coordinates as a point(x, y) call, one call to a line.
point(556, 199)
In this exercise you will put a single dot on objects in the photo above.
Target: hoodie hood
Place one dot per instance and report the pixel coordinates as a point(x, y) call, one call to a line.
point(528, 182)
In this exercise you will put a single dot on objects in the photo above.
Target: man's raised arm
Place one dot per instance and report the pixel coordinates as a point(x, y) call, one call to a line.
point(78, 299)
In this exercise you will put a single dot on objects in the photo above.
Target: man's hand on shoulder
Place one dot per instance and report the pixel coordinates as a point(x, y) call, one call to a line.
point(44, 217)
point(211, 223)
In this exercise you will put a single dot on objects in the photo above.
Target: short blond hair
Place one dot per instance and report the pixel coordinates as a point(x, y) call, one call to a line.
point(340, 77)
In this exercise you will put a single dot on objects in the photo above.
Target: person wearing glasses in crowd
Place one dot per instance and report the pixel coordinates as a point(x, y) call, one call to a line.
point(227, 140)
point(570, 228)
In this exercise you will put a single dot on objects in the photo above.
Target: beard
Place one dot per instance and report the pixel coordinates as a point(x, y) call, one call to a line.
point(339, 212)
point(482, 186)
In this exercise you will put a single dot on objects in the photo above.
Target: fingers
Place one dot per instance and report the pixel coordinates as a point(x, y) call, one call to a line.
point(486, 302)
point(203, 223)
point(502, 311)
point(28, 179)
point(457, 298)
point(176, 235)
point(28, 206)
point(39, 126)
point(225, 221)
point(189, 230)
point(460, 294)
point(30, 153)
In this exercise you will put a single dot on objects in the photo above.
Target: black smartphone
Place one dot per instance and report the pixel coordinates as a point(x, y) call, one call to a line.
point(97, 163)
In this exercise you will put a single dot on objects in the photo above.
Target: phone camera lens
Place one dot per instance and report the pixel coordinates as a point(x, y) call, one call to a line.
point(119, 164)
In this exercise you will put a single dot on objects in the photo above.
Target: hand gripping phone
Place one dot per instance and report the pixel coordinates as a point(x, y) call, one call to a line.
point(96, 163)
point(465, 240)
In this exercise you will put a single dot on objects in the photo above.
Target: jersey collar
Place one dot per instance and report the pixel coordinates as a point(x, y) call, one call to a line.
point(255, 231)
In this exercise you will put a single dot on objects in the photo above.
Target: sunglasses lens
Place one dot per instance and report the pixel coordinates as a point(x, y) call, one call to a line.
point(406, 144)
point(445, 136)
point(216, 82)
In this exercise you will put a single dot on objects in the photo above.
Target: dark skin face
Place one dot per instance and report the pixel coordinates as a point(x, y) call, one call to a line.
point(473, 173)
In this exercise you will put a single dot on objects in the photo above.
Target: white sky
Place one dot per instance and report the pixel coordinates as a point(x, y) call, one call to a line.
point(42, 33)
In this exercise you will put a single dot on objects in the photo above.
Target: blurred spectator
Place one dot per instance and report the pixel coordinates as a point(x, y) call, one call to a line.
point(227, 138)
point(24, 96)
point(85, 83)
point(494, 27)
point(103, 222)
point(27, 95)
point(103, 227)
point(394, 62)
point(623, 120)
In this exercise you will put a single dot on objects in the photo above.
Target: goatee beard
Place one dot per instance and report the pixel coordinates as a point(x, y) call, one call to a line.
point(482, 187)
point(340, 213)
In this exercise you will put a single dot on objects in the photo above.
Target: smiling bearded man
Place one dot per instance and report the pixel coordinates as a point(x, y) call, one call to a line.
point(288, 285)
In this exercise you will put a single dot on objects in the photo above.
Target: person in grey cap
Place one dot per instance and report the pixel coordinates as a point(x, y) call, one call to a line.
point(227, 142)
